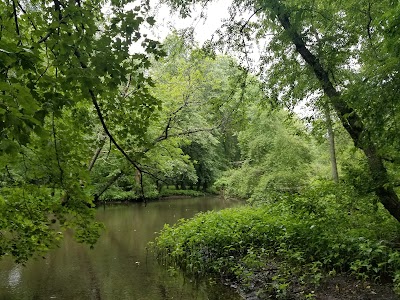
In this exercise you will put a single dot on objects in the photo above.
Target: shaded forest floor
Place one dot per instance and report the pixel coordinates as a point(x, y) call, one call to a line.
point(339, 287)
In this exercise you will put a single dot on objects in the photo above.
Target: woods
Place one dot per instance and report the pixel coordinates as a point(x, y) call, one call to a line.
point(83, 119)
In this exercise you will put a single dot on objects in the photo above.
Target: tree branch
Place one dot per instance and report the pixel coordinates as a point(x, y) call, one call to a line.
point(96, 154)
point(101, 118)
point(56, 151)
point(347, 115)
point(51, 31)
point(248, 20)
point(108, 133)
point(43, 39)
point(57, 7)
point(173, 117)
point(183, 133)
point(103, 123)
point(16, 22)
point(108, 184)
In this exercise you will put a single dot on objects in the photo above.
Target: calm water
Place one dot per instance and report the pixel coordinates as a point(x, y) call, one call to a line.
point(119, 267)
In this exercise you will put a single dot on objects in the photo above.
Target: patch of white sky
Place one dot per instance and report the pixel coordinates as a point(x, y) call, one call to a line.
point(205, 20)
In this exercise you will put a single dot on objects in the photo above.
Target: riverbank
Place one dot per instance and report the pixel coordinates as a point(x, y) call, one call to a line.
point(338, 287)
point(273, 252)
point(129, 197)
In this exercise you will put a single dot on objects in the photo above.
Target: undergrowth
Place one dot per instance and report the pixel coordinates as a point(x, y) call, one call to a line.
point(115, 194)
point(297, 236)
point(166, 192)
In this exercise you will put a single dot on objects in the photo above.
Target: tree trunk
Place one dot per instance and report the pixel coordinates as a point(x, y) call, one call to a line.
point(109, 183)
point(331, 139)
point(348, 116)
point(205, 186)
point(96, 154)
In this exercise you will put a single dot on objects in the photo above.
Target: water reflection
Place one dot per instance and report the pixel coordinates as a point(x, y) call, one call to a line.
point(119, 267)
point(14, 277)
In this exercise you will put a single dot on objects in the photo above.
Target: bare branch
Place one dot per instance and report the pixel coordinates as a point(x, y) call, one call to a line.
point(248, 20)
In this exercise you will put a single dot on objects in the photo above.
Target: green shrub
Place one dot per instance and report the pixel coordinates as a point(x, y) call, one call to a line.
point(308, 237)
point(165, 192)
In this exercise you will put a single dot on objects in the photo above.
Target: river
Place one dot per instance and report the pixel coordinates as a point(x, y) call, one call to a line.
point(120, 266)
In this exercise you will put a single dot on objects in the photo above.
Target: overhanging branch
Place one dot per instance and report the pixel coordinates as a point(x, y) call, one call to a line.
point(108, 133)
point(183, 133)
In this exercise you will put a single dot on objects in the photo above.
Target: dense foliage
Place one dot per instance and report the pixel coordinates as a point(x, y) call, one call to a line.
point(298, 240)
point(63, 65)
point(83, 121)
point(342, 60)
point(83, 118)
point(186, 140)
point(338, 55)
point(275, 157)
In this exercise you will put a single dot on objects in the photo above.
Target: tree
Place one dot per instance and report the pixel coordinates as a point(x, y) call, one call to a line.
point(276, 157)
point(63, 65)
point(201, 94)
point(343, 50)
point(331, 139)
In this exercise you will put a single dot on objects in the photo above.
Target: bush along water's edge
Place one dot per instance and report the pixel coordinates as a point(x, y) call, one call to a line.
point(284, 249)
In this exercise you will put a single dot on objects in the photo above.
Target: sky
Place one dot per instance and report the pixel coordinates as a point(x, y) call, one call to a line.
point(216, 12)
point(204, 28)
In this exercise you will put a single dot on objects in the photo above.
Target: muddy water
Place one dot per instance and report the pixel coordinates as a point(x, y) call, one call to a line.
point(120, 266)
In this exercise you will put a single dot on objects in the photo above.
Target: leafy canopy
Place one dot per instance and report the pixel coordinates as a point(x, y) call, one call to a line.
point(57, 59)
